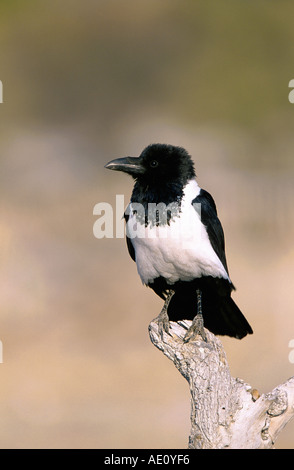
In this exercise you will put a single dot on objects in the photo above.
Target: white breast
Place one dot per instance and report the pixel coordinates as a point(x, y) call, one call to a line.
point(179, 251)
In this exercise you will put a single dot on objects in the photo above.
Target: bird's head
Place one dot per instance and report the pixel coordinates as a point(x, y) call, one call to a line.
point(157, 164)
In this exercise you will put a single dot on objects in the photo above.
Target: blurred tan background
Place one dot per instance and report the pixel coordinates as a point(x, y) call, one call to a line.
point(87, 81)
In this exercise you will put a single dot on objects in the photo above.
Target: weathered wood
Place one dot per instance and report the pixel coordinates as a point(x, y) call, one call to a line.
point(225, 411)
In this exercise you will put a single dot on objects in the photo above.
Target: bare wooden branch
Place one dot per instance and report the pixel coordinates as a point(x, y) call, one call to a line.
point(225, 411)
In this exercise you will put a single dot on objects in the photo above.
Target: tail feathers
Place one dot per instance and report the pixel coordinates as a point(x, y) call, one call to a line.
point(227, 320)
point(220, 313)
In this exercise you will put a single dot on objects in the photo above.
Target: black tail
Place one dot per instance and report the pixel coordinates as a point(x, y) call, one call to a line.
point(227, 319)
point(220, 313)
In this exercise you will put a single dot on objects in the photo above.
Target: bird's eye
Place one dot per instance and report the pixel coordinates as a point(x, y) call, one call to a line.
point(154, 163)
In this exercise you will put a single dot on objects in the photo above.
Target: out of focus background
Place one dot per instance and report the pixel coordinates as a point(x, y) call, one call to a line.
point(86, 81)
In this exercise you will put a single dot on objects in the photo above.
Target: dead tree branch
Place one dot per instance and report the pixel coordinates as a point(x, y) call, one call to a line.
point(225, 411)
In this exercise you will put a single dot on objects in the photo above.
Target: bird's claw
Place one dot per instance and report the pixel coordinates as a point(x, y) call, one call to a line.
point(196, 328)
point(163, 323)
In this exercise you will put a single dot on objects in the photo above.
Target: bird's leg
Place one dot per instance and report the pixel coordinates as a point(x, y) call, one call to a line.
point(197, 327)
point(162, 319)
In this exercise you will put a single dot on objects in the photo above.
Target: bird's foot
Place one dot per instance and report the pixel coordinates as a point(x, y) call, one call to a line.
point(197, 328)
point(163, 323)
point(162, 320)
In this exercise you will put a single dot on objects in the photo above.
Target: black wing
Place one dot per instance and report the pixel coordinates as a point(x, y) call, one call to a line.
point(129, 241)
point(213, 226)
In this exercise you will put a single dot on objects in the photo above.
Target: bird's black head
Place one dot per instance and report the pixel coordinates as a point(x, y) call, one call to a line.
point(158, 164)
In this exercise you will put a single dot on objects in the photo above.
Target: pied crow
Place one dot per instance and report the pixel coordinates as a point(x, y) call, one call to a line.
point(177, 241)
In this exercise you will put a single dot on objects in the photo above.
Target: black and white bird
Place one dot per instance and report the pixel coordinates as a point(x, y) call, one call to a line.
point(177, 241)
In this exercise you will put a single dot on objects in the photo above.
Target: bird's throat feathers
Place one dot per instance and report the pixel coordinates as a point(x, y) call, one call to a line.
point(146, 192)
point(159, 205)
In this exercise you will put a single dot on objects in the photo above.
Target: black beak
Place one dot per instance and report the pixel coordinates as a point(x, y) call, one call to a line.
point(129, 165)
